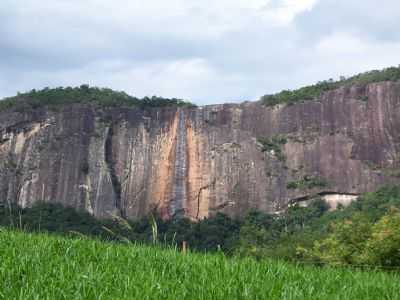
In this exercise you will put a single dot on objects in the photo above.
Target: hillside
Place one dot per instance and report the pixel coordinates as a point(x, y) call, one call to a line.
point(314, 92)
point(47, 267)
point(102, 97)
point(108, 153)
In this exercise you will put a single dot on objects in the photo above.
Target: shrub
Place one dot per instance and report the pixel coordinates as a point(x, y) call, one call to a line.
point(274, 144)
point(308, 182)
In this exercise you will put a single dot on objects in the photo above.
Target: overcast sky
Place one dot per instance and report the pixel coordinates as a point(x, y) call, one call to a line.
point(207, 51)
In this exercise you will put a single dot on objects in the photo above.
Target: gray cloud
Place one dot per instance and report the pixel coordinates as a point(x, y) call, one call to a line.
point(230, 50)
point(371, 19)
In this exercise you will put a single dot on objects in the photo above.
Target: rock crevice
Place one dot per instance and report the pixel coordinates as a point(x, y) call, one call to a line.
point(109, 159)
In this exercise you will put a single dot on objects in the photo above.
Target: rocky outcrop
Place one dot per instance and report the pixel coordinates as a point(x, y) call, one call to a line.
point(198, 161)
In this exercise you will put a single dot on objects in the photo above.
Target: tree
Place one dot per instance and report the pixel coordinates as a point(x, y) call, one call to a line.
point(383, 246)
point(346, 242)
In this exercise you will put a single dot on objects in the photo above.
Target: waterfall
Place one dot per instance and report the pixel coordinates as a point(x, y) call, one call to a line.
point(180, 168)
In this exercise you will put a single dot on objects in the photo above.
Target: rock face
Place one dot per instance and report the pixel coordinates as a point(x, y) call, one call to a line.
point(199, 161)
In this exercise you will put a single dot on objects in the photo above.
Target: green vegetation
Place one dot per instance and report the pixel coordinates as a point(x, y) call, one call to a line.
point(365, 233)
point(357, 241)
point(308, 182)
point(84, 94)
point(39, 266)
point(85, 167)
point(211, 234)
point(315, 91)
point(392, 172)
point(274, 144)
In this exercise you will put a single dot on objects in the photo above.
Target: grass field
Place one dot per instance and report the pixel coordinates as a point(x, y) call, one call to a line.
point(39, 266)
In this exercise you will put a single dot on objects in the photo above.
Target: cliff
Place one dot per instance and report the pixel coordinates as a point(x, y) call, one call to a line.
point(198, 161)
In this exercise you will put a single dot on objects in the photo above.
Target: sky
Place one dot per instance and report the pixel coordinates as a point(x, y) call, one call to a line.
point(204, 51)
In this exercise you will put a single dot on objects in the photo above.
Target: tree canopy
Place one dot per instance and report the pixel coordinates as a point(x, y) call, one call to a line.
point(315, 91)
point(85, 94)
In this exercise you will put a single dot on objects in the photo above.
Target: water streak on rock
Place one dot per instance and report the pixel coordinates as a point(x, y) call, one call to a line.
point(180, 169)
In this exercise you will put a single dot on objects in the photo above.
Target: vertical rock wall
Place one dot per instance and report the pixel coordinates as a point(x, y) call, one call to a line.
point(198, 161)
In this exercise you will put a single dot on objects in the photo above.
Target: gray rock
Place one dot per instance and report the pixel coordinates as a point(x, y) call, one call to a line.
point(198, 161)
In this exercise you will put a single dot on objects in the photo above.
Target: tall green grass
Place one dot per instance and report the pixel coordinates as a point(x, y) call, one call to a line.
point(40, 266)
